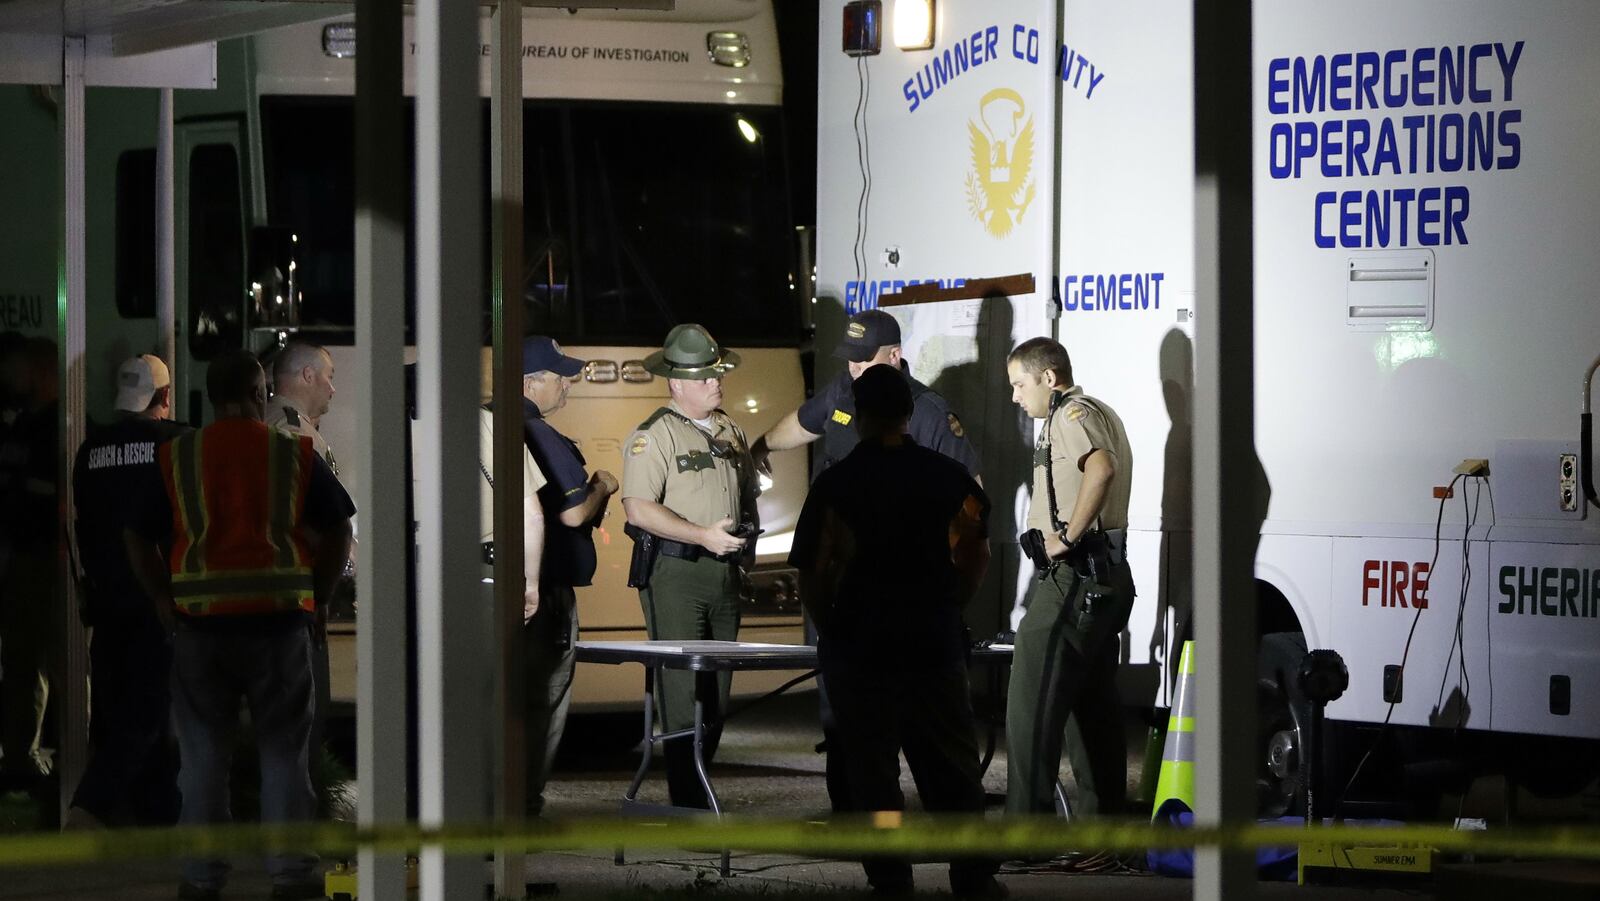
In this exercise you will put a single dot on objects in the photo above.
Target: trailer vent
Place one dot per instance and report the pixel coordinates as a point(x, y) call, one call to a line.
point(339, 40)
point(1390, 291)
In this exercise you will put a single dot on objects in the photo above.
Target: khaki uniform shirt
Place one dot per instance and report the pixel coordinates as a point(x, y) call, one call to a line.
point(285, 418)
point(669, 460)
point(1078, 425)
point(532, 478)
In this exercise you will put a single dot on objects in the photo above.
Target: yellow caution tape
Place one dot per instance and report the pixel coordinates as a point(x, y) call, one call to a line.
point(930, 836)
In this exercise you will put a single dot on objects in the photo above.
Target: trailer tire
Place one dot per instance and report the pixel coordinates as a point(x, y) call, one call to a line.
point(1554, 767)
point(1283, 720)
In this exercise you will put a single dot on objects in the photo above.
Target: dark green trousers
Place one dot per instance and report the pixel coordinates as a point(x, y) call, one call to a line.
point(1064, 691)
point(926, 713)
point(690, 601)
point(550, 663)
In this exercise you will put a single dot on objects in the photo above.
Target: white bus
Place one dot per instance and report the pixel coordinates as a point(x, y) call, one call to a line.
point(656, 192)
point(1423, 218)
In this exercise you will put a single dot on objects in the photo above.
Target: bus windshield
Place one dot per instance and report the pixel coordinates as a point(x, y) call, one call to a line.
point(637, 217)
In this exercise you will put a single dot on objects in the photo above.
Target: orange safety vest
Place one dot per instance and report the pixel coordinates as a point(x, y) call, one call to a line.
point(238, 490)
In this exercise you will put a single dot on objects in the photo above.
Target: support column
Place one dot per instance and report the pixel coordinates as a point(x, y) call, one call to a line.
point(166, 237)
point(505, 135)
point(1228, 486)
point(382, 621)
point(454, 624)
point(69, 690)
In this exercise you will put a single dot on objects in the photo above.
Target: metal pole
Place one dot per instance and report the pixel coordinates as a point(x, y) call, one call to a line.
point(505, 135)
point(1058, 141)
point(72, 693)
point(454, 624)
point(1225, 465)
point(382, 671)
point(166, 237)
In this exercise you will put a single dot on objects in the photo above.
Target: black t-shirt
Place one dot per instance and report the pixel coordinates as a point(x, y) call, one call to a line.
point(29, 485)
point(113, 466)
point(894, 505)
point(327, 503)
point(831, 414)
point(569, 556)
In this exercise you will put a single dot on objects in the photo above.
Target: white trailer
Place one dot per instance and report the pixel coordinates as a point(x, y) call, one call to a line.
point(1424, 202)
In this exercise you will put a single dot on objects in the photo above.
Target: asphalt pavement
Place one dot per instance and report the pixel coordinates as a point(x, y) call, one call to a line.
point(767, 765)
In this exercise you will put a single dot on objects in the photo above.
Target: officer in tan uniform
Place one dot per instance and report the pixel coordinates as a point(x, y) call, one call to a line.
point(689, 489)
point(302, 391)
point(1063, 675)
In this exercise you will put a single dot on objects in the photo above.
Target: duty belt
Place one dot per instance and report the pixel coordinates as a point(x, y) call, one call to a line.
point(691, 552)
point(1116, 545)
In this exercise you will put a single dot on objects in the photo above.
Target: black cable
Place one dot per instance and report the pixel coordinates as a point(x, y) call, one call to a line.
point(1488, 615)
point(866, 141)
point(1458, 640)
point(1438, 526)
point(857, 124)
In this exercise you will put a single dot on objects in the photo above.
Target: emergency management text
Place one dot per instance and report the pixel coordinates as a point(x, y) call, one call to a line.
point(860, 296)
point(1420, 143)
point(1117, 291)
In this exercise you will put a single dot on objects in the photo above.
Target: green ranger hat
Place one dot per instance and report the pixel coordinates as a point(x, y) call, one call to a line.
point(691, 353)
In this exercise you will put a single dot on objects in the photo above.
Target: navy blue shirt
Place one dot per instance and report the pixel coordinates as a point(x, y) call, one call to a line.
point(896, 603)
point(831, 413)
point(569, 556)
point(113, 466)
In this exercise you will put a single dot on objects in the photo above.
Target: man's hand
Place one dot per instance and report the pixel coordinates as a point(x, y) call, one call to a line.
point(761, 454)
point(1054, 546)
point(717, 539)
point(165, 614)
point(603, 482)
point(530, 603)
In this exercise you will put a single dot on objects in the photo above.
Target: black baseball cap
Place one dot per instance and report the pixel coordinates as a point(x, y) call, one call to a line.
point(867, 331)
point(542, 354)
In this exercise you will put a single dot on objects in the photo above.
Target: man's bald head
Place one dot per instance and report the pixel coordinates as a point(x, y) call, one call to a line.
point(302, 374)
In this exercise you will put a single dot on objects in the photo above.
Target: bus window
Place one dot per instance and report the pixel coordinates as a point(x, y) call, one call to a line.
point(637, 216)
point(681, 215)
point(216, 251)
point(136, 238)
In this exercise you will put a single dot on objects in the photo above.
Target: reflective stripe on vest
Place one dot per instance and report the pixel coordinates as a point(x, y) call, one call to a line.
point(237, 490)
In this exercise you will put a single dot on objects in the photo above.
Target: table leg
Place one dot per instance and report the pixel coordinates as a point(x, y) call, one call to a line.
point(701, 683)
point(649, 746)
point(649, 734)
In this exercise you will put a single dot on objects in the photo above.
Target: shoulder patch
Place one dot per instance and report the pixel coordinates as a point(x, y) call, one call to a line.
point(956, 428)
point(638, 445)
point(841, 417)
point(292, 416)
point(1076, 412)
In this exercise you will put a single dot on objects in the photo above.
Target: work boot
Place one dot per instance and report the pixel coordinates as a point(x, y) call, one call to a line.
point(80, 820)
point(300, 889)
point(188, 891)
point(985, 889)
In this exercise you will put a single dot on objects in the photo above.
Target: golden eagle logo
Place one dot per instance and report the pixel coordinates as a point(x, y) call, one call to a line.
point(1000, 184)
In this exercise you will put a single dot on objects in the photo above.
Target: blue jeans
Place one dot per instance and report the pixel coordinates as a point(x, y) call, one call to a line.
point(271, 671)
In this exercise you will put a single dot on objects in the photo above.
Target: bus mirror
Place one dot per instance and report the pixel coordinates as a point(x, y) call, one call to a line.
point(274, 288)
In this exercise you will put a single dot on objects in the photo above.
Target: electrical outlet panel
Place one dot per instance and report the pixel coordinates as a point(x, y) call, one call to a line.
point(1568, 483)
point(1536, 481)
